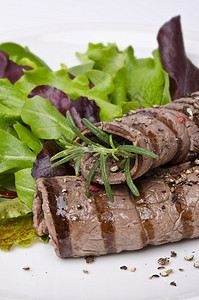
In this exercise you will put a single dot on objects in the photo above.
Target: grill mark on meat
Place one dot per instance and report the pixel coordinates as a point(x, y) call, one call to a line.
point(143, 235)
point(185, 213)
point(58, 208)
point(151, 218)
point(106, 220)
point(145, 214)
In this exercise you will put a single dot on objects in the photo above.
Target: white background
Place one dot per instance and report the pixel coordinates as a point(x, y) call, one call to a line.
point(23, 13)
point(23, 18)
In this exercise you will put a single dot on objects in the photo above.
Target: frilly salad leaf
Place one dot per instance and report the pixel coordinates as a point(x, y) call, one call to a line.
point(106, 58)
point(146, 81)
point(16, 224)
point(80, 69)
point(18, 230)
point(136, 82)
point(12, 209)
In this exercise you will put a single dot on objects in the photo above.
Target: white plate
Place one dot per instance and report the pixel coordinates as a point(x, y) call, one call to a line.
point(50, 277)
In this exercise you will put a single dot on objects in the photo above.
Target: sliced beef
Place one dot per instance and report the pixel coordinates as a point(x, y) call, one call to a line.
point(167, 210)
point(169, 169)
point(170, 131)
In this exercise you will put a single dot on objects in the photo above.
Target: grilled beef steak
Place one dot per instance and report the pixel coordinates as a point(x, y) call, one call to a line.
point(167, 210)
point(171, 131)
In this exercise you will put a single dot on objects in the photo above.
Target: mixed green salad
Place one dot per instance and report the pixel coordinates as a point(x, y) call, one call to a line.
point(108, 83)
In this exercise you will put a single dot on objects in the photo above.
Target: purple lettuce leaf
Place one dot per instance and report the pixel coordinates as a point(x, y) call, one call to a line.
point(87, 109)
point(58, 98)
point(9, 69)
point(184, 76)
point(42, 164)
point(80, 108)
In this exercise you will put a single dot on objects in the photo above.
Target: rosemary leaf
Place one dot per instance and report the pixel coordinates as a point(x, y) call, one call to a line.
point(66, 159)
point(113, 146)
point(105, 177)
point(68, 142)
point(90, 175)
point(129, 180)
point(77, 163)
point(76, 130)
point(135, 149)
point(96, 131)
point(111, 141)
point(121, 163)
point(59, 154)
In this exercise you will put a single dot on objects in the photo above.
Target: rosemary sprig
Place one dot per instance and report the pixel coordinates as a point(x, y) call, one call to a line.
point(129, 180)
point(75, 151)
point(105, 177)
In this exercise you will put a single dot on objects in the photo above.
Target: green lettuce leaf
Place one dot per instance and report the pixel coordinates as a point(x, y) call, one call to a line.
point(26, 136)
point(7, 181)
point(80, 69)
point(16, 224)
point(25, 186)
point(6, 124)
point(12, 209)
point(14, 154)
point(137, 82)
point(11, 100)
point(146, 81)
point(22, 55)
point(45, 121)
point(75, 88)
point(108, 59)
point(18, 230)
